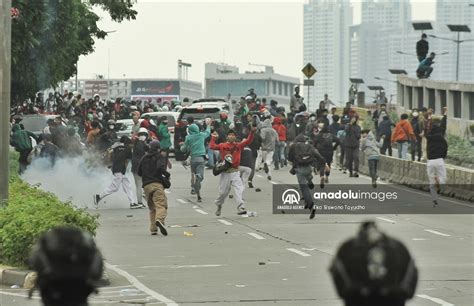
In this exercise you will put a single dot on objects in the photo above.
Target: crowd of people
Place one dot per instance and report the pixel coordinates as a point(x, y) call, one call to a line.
point(260, 137)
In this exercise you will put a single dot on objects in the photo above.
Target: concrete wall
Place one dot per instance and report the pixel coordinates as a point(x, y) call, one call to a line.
point(459, 184)
point(458, 97)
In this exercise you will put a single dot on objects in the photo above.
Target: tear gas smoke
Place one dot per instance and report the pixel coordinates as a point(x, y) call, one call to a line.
point(76, 180)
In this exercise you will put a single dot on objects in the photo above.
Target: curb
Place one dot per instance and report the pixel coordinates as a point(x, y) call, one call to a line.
point(27, 279)
point(22, 278)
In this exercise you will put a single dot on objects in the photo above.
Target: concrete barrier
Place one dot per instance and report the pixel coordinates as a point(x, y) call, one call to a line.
point(459, 183)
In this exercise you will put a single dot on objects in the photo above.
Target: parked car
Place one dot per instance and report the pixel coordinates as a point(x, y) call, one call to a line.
point(199, 110)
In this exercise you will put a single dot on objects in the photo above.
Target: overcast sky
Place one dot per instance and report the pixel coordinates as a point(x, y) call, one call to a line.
point(235, 32)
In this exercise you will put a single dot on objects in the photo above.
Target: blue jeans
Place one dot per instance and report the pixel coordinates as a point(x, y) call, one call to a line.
point(210, 156)
point(197, 168)
point(279, 154)
point(402, 148)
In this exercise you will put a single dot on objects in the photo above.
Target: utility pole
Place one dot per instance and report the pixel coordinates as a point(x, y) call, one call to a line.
point(5, 64)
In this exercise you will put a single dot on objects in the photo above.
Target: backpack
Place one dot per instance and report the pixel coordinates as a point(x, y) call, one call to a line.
point(325, 142)
point(304, 154)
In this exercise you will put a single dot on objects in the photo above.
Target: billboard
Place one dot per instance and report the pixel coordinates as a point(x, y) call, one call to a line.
point(155, 88)
point(96, 87)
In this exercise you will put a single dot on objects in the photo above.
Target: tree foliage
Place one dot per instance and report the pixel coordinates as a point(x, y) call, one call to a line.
point(49, 36)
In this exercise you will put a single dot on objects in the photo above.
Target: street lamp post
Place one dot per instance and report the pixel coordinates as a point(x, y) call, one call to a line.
point(458, 29)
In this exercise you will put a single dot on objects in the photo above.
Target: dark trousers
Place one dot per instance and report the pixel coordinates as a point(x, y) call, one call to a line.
point(23, 160)
point(416, 148)
point(254, 159)
point(373, 168)
point(304, 176)
point(387, 144)
point(341, 158)
point(352, 159)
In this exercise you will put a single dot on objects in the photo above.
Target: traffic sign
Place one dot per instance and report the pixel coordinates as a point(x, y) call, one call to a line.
point(309, 70)
point(308, 82)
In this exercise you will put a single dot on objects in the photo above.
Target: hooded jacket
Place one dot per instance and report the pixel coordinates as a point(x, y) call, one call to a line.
point(279, 128)
point(403, 132)
point(385, 128)
point(370, 146)
point(300, 142)
point(352, 135)
point(164, 136)
point(152, 168)
point(21, 138)
point(269, 136)
point(139, 150)
point(436, 145)
point(194, 142)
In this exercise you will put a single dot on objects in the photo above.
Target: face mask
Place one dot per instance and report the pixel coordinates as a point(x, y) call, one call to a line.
point(111, 127)
point(415, 114)
point(320, 125)
point(142, 138)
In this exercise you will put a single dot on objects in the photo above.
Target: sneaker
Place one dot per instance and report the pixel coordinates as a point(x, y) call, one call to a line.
point(350, 174)
point(218, 210)
point(154, 233)
point(356, 174)
point(193, 191)
point(435, 203)
point(265, 168)
point(313, 213)
point(374, 183)
point(310, 185)
point(269, 178)
point(241, 211)
point(162, 228)
point(326, 179)
point(199, 199)
point(136, 206)
point(250, 184)
point(276, 168)
point(344, 171)
point(321, 183)
point(96, 199)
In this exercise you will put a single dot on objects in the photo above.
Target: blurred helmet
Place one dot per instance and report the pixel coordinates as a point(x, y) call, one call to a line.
point(142, 130)
point(374, 269)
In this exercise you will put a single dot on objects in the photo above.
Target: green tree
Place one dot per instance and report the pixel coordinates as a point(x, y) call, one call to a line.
point(49, 36)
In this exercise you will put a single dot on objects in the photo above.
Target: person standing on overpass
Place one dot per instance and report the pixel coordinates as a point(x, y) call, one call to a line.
point(422, 47)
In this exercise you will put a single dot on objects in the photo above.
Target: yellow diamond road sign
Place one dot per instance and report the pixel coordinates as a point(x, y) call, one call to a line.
point(309, 70)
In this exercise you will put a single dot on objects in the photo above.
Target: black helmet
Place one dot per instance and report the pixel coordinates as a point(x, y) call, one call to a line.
point(374, 269)
point(68, 264)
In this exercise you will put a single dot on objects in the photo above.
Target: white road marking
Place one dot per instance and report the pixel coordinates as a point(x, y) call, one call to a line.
point(433, 299)
point(274, 183)
point(225, 222)
point(183, 266)
point(437, 233)
point(419, 239)
point(387, 220)
point(299, 252)
point(182, 201)
point(202, 212)
point(256, 236)
point(135, 282)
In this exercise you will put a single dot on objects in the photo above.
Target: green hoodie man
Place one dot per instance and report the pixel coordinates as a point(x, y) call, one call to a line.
point(195, 140)
point(164, 134)
point(22, 142)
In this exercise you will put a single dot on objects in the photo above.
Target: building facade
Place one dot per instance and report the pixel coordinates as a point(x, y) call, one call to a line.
point(326, 47)
point(225, 81)
point(166, 89)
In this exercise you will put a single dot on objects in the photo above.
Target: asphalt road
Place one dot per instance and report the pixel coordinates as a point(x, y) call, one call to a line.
point(270, 259)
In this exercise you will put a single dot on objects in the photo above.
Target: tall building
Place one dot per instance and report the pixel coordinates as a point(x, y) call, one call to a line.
point(326, 46)
point(385, 29)
point(458, 13)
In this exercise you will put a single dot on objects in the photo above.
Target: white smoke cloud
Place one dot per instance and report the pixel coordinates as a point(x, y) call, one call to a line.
point(73, 179)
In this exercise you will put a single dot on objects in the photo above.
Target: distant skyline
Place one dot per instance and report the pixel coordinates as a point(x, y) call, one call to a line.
point(233, 32)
